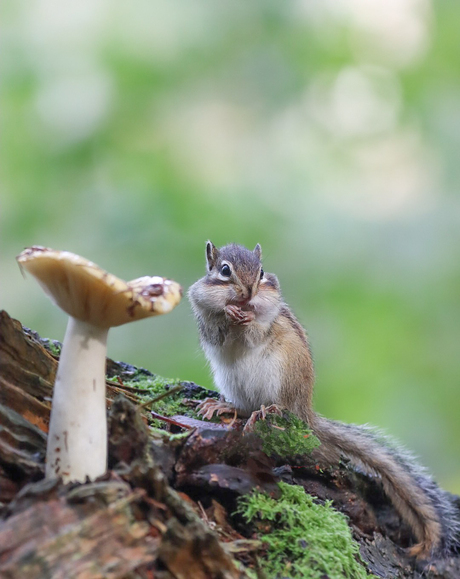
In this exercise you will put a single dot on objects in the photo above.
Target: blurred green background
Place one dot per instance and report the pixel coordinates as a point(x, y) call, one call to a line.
point(328, 131)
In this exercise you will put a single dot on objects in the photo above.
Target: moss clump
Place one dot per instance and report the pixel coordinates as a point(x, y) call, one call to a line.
point(157, 385)
point(153, 386)
point(286, 436)
point(304, 539)
point(53, 346)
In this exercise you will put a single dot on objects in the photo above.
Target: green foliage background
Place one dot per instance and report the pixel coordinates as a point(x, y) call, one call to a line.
point(327, 131)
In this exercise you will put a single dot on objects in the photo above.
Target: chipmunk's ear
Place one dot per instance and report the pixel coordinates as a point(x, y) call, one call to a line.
point(211, 255)
point(258, 251)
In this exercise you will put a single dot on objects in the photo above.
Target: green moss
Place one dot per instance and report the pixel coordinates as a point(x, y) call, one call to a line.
point(286, 436)
point(304, 539)
point(154, 386)
point(160, 434)
point(53, 346)
point(54, 349)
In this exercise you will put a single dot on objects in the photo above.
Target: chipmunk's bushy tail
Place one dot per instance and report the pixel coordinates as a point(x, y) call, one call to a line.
point(429, 510)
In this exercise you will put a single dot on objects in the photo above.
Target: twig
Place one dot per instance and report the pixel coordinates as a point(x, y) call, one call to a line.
point(118, 390)
point(161, 396)
point(125, 387)
point(170, 420)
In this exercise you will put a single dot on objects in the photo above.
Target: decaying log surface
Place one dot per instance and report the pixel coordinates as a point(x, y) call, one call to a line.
point(87, 531)
point(164, 509)
point(130, 524)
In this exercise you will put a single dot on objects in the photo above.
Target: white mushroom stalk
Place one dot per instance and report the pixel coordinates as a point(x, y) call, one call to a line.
point(95, 301)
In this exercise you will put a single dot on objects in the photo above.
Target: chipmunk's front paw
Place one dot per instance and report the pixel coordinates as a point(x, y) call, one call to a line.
point(211, 406)
point(261, 415)
point(238, 316)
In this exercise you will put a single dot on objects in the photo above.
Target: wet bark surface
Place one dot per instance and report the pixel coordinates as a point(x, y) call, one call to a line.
point(165, 507)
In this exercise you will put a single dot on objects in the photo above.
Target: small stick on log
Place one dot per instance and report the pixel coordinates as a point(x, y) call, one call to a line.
point(170, 420)
point(161, 396)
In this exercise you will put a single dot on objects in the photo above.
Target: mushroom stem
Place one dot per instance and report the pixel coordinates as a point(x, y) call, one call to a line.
point(77, 438)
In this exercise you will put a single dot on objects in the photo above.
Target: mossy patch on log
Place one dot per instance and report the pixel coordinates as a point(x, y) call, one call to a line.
point(286, 436)
point(304, 539)
point(153, 386)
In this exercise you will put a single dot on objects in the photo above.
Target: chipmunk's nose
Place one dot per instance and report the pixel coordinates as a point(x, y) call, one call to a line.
point(245, 296)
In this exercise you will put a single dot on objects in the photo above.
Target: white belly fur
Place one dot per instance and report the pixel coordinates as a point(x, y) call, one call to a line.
point(247, 377)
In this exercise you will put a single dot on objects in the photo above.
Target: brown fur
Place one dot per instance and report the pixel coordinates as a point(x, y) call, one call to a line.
point(339, 439)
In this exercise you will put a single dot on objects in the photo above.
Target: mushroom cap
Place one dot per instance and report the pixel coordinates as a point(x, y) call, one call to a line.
point(90, 294)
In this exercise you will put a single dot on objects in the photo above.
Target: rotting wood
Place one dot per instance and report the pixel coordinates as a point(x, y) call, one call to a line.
point(154, 532)
point(54, 539)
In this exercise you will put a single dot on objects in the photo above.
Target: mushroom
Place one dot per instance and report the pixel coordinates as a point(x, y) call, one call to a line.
point(95, 301)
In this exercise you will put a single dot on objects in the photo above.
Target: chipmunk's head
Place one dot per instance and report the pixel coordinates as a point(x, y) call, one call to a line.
point(238, 271)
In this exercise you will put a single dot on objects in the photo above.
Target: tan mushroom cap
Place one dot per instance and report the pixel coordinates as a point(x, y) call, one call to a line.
point(90, 294)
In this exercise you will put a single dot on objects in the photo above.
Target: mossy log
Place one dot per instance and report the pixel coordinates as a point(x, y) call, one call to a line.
point(170, 505)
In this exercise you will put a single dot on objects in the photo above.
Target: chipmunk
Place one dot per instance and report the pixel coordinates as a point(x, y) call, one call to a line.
point(260, 357)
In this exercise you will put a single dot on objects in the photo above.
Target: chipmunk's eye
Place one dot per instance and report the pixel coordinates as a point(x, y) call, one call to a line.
point(225, 270)
point(261, 273)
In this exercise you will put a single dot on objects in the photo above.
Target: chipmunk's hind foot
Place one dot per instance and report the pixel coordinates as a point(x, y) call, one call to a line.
point(261, 415)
